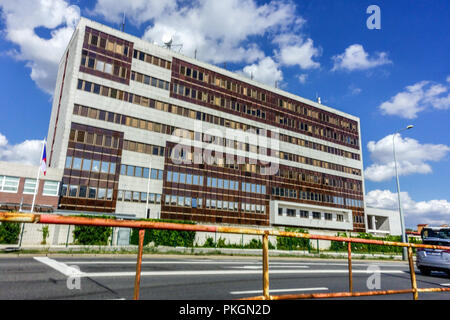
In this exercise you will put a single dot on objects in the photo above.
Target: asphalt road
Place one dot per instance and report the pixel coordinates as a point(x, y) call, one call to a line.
point(200, 278)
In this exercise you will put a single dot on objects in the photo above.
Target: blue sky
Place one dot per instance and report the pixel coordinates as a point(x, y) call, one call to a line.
point(390, 78)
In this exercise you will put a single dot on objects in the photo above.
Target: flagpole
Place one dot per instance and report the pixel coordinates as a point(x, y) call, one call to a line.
point(38, 174)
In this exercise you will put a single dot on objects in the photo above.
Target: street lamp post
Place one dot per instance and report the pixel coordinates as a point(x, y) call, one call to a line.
point(402, 220)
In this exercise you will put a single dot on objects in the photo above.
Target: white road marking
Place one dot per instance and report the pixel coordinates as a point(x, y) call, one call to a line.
point(224, 272)
point(445, 284)
point(279, 290)
point(66, 270)
point(274, 263)
point(159, 262)
point(271, 266)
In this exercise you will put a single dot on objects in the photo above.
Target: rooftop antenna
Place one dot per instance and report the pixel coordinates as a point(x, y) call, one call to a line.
point(318, 98)
point(123, 22)
point(195, 54)
point(251, 75)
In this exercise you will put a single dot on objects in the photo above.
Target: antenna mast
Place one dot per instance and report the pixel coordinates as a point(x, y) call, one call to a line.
point(123, 22)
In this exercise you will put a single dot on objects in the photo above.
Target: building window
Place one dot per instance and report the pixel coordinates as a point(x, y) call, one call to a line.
point(328, 216)
point(29, 186)
point(304, 214)
point(9, 184)
point(290, 212)
point(317, 215)
point(50, 188)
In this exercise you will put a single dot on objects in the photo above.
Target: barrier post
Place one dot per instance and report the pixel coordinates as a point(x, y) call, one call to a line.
point(137, 280)
point(266, 265)
point(350, 276)
point(413, 274)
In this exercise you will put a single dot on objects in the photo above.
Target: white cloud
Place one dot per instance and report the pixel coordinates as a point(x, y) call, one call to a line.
point(26, 152)
point(416, 98)
point(136, 11)
point(42, 55)
point(296, 51)
point(302, 78)
point(412, 157)
point(265, 70)
point(356, 58)
point(433, 212)
point(220, 31)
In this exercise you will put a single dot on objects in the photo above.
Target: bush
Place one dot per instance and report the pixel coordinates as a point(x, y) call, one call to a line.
point(9, 232)
point(253, 244)
point(92, 235)
point(288, 243)
point(173, 238)
point(370, 248)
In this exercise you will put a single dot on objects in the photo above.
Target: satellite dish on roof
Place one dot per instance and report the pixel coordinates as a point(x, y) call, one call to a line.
point(168, 42)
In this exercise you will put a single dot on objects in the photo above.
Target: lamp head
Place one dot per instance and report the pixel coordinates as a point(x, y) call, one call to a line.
point(410, 126)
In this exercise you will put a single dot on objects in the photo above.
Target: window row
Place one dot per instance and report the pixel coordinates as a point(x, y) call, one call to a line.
point(214, 204)
point(108, 43)
point(302, 110)
point(51, 188)
point(188, 153)
point(183, 201)
point(262, 96)
point(11, 184)
point(136, 196)
point(77, 163)
point(319, 179)
point(316, 130)
point(184, 178)
point(317, 163)
point(314, 196)
point(140, 172)
point(339, 217)
point(96, 139)
point(93, 62)
point(252, 187)
point(151, 81)
point(319, 147)
point(223, 83)
point(218, 101)
point(88, 192)
point(151, 59)
point(222, 184)
point(147, 102)
point(143, 148)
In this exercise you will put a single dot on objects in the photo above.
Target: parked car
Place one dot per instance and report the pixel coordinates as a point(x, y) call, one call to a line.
point(428, 260)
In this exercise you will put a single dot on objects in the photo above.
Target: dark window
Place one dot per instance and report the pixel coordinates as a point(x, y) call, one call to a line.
point(91, 63)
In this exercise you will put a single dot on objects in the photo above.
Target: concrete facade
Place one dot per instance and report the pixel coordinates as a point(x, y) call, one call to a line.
point(383, 222)
point(102, 122)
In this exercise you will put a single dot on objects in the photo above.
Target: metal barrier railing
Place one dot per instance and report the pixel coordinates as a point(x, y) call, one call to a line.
point(142, 225)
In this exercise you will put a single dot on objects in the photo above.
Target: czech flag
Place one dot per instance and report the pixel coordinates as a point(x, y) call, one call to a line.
point(44, 158)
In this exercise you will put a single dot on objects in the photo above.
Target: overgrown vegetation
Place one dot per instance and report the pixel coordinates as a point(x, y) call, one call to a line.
point(92, 235)
point(369, 248)
point(45, 234)
point(221, 243)
point(288, 243)
point(9, 232)
point(173, 238)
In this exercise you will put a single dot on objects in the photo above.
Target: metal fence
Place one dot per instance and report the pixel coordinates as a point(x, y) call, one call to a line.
point(143, 225)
